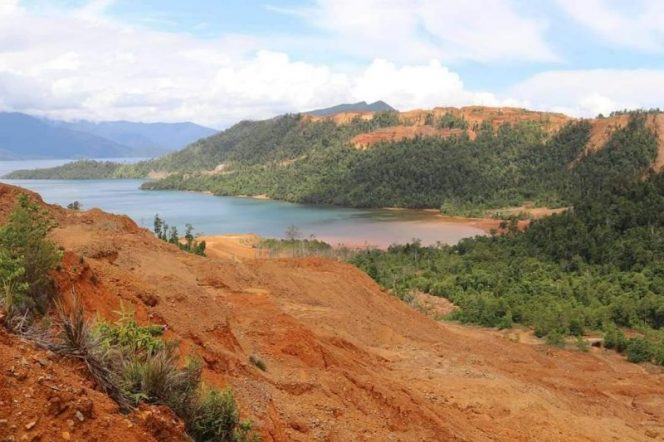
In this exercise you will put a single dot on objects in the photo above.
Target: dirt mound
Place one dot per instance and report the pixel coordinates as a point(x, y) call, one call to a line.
point(242, 246)
point(46, 397)
point(344, 360)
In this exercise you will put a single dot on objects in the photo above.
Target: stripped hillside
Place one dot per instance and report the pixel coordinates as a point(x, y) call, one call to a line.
point(463, 161)
point(343, 359)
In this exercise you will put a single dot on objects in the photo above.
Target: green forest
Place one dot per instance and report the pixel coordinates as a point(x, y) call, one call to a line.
point(598, 267)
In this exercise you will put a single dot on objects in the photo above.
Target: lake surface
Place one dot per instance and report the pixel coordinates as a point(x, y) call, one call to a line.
point(219, 215)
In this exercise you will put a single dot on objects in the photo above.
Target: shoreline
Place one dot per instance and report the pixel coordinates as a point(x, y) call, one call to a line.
point(486, 224)
point(243, 245)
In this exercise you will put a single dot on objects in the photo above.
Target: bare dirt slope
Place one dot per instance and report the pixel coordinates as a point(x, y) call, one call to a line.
point(346, 361)
point(419, 122)
point(602, 128)
point(45, 397)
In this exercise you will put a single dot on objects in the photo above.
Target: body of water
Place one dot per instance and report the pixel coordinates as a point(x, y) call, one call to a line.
point(220, 215)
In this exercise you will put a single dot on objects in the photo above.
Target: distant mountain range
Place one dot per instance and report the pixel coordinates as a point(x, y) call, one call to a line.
point(151, 138)
point(362, 106)
point(26, 137)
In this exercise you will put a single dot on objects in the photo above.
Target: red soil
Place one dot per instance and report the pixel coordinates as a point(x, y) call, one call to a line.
point(46, 397)
point(414, 123)
point(602, 128)
point(345, 360)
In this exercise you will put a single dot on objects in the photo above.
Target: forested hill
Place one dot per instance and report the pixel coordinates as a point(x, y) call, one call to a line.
point(459, 159)
point(598, 268)
point(362, 106)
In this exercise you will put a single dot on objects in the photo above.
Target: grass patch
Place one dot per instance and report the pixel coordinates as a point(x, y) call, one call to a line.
point(133, 364)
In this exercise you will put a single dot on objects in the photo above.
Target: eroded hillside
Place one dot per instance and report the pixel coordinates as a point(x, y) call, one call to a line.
point(447, 121)
point(602, 128)
point(345, 360)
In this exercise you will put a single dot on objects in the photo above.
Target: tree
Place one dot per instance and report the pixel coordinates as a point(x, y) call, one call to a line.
point(158, 226)
point(74, 205)
point(173, 237)
point(293, 233)
point(199, 248)
point(170, 234)
point(189, 237)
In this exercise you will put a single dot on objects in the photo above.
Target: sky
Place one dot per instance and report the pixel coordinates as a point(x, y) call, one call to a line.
point(216, 62)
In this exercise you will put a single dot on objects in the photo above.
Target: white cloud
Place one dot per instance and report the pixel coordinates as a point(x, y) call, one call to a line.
point(94, 8)
point(636, 24)
point(424, 86)
point(82, 65)
point(419, 30)
point(590, 92)
point(8, 6)
point(85, 65)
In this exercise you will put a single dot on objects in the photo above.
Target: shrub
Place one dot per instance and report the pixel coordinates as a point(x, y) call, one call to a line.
point(27, 257)
point(639, 350)
point(75, 339)
point(216, 418)
point(147, 370)
point(614, 338)
point(125, 334)
point(132, 364)
point(658, 357)
point(12, 289)
point(506, 321)
point(582, 344)
point(555, 338)
point(156, 378)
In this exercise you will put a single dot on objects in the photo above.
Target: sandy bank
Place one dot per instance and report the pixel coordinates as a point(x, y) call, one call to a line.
point(233, 246)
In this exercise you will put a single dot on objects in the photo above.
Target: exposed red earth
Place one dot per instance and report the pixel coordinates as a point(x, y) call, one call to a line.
point(345, 360)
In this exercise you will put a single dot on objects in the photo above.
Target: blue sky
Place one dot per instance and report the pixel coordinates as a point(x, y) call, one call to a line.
point(215, 62)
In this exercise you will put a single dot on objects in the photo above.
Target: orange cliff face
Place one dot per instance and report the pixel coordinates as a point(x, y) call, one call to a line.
point(345, 360)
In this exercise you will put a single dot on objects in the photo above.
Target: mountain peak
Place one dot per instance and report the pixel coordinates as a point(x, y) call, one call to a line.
point(361, 106)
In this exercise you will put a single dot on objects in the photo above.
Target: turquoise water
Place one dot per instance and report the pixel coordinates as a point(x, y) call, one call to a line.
point(218, 215)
